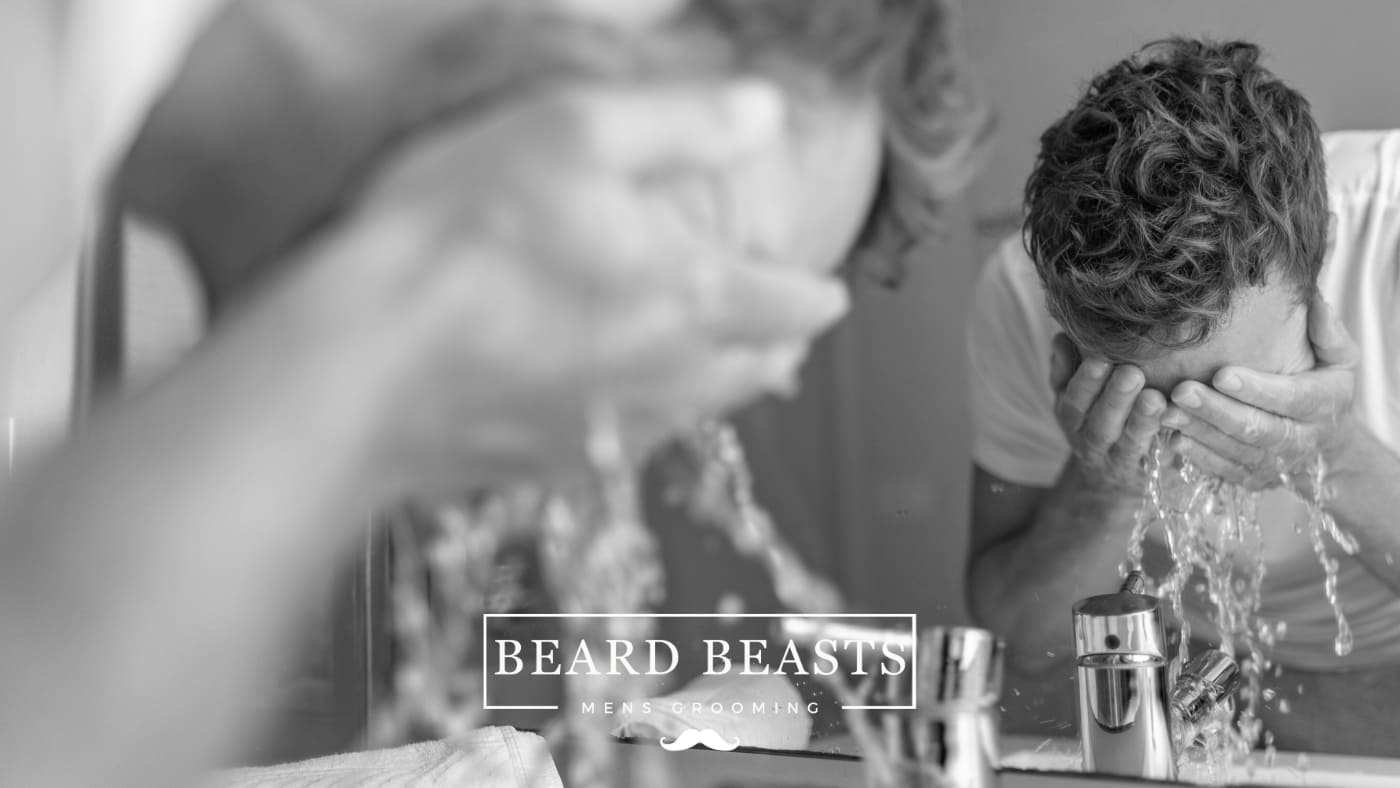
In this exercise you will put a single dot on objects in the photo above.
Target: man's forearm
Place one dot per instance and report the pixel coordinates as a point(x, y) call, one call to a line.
point(1364, 497)
point(148, 572)
point(1024, 586)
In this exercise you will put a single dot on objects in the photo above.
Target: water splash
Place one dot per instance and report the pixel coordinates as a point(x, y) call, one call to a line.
point(716, 486)
point(596, 554)
point(599, 557)
point(1320, 522)
point(1213, 533)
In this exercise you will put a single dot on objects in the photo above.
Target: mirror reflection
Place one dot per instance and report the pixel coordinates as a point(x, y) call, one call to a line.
point(668, 392)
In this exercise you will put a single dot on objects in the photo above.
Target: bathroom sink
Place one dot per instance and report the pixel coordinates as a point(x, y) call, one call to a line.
point(1288, 768)
point(1028, 762)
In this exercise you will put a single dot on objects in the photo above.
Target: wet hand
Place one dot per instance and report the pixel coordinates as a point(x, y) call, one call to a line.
point(1107, 414)
point(537, 270)
point(1261, 430)
point(283, 106)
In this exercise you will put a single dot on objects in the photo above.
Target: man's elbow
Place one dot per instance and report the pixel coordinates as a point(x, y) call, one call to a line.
point(995, 604)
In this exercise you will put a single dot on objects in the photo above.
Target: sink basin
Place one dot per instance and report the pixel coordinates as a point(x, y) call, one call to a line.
point(1288, 768)
point(1028, 762)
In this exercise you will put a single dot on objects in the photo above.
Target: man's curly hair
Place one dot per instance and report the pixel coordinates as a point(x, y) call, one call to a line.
point(1186, 173)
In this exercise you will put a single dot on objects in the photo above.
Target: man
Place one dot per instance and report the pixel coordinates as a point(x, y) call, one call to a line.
point(446, 317)
point(1177, 274)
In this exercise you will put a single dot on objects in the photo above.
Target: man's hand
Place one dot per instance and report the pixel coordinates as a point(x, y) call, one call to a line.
point(1107, 415)
point(532, 264)
point(1258, 430)
point(268, 129)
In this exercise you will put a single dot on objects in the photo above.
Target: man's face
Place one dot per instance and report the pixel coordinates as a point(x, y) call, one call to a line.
point(1266, 330)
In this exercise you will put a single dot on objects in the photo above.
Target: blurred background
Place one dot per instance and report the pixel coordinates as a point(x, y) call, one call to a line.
point(866, 472)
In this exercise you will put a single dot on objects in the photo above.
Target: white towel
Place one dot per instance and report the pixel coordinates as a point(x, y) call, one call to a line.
point(763, 711)
point(496, 757)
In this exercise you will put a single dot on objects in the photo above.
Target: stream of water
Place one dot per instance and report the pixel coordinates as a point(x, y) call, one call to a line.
point(1213, 533)
point(596, 555)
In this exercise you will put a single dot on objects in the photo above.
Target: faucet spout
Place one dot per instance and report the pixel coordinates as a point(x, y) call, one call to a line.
point(1121, 656)
point(1207, 683)
point(1129, 723)
point(939, 716)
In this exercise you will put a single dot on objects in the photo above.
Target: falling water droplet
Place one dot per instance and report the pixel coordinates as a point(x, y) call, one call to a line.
point(1214, 536)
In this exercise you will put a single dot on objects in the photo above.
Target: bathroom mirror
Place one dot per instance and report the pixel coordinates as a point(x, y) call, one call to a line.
point(868, 471)
point(899, 428)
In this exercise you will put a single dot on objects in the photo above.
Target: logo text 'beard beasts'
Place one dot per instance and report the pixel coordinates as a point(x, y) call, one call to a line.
point(824, 657)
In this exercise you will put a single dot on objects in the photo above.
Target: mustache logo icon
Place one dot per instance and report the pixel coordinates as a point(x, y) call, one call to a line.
point(693, 736)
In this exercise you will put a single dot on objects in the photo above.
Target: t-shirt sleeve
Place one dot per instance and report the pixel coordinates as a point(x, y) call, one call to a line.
point(1014, 432)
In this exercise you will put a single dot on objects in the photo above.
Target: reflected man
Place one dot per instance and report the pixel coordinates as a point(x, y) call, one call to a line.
point(1176, 276)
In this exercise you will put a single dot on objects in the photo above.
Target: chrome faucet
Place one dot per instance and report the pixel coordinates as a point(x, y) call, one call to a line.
point(948, 732)
point(1129, 723)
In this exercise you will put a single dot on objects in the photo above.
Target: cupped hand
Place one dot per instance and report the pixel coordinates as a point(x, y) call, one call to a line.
point(1262, 430)
point(1108, 416)
point(542, 263)
point(270, 126)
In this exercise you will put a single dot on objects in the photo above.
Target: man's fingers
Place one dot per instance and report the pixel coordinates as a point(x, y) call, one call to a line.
point(1212, 437)
point(740, 375)
point(630, 14)
point(1331, 343)
point(1212, 463)
point(1306, 396)
point(1104, 423)
point(1239, 421)
point(744, 303)
point(1144, 422)
point(1080, 393)
point(652, 127)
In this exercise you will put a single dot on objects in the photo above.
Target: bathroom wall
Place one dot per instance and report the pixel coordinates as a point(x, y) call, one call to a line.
point(1033, 57)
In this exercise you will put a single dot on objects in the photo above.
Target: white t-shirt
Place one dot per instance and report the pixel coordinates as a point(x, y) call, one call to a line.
point(1016, 437)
